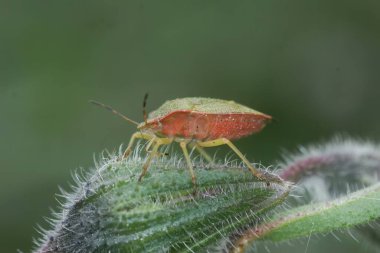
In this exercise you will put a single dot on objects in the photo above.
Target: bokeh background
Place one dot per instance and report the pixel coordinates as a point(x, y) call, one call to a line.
point(313, 65)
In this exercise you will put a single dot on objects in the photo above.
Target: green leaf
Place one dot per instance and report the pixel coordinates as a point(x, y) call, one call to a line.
point(357, 208)
point(111, 212)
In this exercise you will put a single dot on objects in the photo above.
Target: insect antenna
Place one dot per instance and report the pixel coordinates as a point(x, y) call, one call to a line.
point(109, 108)
point(144, 108)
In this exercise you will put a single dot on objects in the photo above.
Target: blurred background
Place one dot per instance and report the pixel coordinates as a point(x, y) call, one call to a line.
point(313, 65)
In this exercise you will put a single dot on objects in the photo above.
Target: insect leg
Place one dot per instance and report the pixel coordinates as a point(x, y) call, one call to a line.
point(189, 164)
point(148, 161)
point(223, 141)
point(151, 141)
point(202, 152)
point(137, 135)
point(153, 152)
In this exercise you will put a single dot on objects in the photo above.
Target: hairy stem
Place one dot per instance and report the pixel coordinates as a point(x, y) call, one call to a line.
point(337, 188)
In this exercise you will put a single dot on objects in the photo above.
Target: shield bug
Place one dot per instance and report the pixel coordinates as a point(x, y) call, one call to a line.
point(198, 122)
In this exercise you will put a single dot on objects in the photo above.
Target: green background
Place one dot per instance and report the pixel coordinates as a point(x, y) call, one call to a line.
point(313, 65)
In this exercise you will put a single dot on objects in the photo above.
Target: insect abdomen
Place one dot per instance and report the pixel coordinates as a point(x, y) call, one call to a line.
point(206, 126)
point(235, 126)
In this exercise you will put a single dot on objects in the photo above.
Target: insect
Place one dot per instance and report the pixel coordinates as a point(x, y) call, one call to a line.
point(196, 122)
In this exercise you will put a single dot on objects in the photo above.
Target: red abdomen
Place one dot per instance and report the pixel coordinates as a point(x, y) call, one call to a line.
point(208, 126)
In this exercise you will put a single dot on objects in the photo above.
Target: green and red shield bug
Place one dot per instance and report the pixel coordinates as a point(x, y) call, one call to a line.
point(198, 122)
